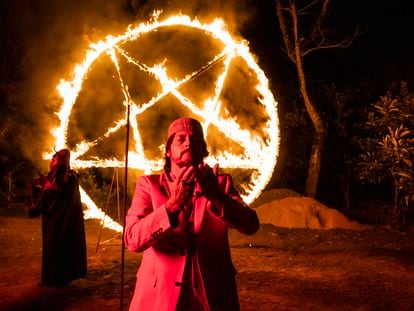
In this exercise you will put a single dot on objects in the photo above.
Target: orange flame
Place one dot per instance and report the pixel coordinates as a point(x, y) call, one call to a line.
point(260, 155)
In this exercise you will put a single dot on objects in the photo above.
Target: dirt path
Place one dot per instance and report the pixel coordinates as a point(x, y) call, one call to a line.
point(279, 269)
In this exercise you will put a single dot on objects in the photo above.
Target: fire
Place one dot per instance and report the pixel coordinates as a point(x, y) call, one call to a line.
point(260, 152)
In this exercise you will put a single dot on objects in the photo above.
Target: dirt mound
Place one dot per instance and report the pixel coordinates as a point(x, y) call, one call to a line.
point(303, 212)
point(273, 194)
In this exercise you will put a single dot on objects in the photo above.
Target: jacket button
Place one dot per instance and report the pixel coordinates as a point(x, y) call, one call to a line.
point(178, 284)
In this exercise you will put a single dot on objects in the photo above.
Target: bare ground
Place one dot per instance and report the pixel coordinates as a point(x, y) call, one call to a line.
point(278, 269)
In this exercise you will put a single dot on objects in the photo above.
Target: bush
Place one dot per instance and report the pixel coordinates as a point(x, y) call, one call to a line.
point(388, 149)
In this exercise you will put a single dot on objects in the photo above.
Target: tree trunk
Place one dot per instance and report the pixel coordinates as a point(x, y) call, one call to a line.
point(396, 214)
point(345, 186)
point(314, 169)
point(10, 188)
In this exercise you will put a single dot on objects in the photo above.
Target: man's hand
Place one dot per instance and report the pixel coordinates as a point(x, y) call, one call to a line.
point(207, 177)
point(50, 185)
point(181, 189)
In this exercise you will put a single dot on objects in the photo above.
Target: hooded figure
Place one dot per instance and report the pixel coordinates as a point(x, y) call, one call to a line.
point(180, 220)
point(63, 231)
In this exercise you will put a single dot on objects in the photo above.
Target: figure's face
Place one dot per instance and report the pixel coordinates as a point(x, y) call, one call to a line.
point(60, 158)
point(54, 163)
point(186, 149)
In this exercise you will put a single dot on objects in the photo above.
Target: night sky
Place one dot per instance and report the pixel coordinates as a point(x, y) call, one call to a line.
point(384, 49)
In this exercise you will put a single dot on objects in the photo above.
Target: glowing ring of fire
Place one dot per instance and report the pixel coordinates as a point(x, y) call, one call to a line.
point(261, 152)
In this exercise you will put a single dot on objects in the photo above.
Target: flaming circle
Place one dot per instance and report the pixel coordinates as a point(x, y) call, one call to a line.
point(162, 70)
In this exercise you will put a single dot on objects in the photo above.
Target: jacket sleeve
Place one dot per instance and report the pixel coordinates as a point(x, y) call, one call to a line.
point(230, 207)
point(144, 223)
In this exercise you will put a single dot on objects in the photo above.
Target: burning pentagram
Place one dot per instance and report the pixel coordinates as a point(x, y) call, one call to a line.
point(162, 70)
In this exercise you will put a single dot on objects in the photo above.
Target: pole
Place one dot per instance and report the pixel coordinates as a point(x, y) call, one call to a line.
point(117, 196)
point(125, 207)
point(106, 211)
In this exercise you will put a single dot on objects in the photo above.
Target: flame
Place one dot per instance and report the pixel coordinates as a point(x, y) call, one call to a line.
point(260, 154)
point(95, 212)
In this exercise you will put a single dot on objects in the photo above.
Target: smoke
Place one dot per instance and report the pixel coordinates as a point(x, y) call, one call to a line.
point(55, 36)
point(235, 13)
point(51, 37)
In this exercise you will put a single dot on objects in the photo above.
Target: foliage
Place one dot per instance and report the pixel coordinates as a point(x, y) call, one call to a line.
point(95, 185)
point(343, 108)
point(388, 148)
point(16, 170)
point(297, 141)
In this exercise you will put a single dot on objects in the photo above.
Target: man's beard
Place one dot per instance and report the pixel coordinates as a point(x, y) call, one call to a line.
point(182, 164)
point(190, 159)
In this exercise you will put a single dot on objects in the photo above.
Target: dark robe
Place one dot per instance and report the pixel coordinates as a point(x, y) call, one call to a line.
point(63, 234)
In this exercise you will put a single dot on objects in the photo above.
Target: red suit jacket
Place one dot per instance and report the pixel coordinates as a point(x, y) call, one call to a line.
point(164, 246)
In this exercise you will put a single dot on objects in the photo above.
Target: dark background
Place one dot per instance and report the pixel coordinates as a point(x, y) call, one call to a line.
point(380, 55)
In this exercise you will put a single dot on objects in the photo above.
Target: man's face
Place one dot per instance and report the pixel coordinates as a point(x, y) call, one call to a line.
point(186, 149)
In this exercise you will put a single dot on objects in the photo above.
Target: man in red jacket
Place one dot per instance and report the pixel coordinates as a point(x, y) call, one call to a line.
point(179, 220)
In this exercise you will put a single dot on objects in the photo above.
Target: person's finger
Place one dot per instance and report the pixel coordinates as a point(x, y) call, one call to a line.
point(201, 173)
point(188, 175)
point(179, 177)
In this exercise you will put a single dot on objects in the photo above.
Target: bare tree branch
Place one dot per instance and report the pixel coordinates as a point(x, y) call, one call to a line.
point(325, 8)
point(324, 43)
point(322, 16)
point(305, 10)
point(285, 31)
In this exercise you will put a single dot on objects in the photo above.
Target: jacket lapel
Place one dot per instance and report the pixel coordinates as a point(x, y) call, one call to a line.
point(200, 203)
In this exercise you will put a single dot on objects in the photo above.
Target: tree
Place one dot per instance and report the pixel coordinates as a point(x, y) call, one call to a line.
point(388, 149)
point(345, 111)
point(299, 44)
